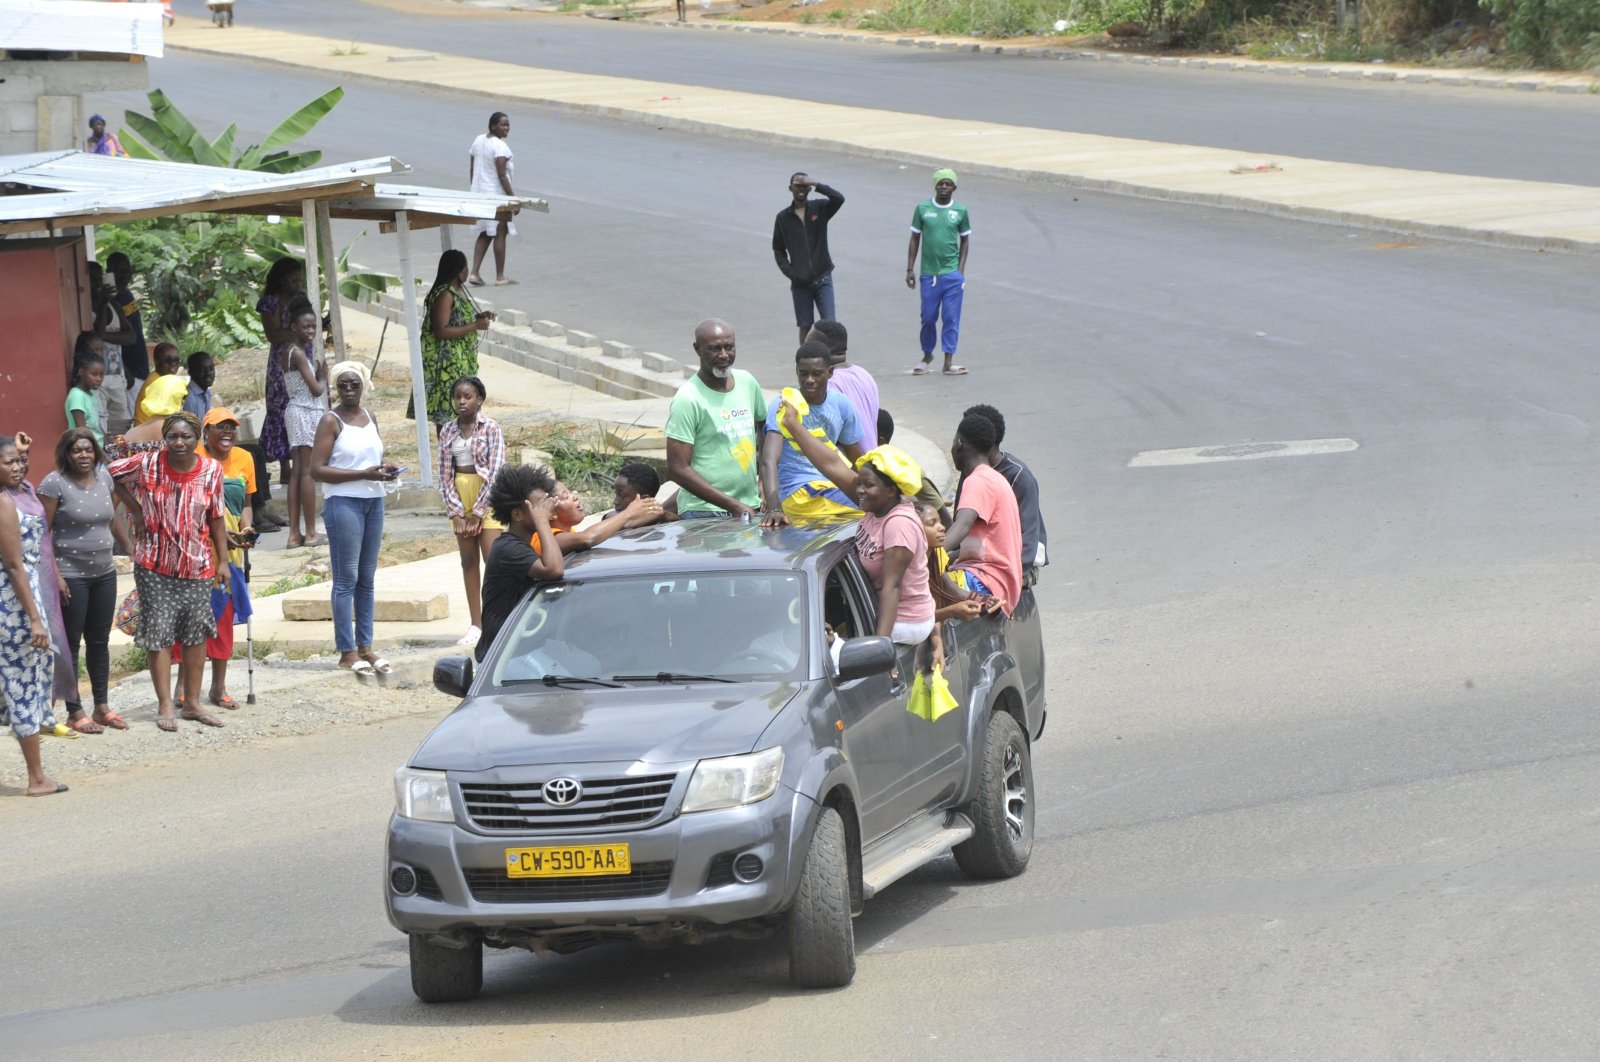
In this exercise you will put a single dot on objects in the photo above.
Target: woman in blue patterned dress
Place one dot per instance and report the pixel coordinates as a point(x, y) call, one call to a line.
point(25, 656)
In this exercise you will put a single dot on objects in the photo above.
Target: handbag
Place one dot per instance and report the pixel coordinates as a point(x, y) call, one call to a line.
point(128, 614)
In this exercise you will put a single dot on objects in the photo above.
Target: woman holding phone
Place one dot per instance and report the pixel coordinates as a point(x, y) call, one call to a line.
point(347, 459)
point(449, 338)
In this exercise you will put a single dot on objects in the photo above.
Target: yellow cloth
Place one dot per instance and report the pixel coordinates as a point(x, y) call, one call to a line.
point(469, 485)
point(161, 396)
point(901, 468)
point(792, 396)
point(810, 503)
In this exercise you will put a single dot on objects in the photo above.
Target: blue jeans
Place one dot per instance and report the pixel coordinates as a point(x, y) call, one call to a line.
point(941, 299)
point(355, 531)
point(818, 296)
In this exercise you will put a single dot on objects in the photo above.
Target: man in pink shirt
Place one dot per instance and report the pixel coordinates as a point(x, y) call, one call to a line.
point(852, 381)
point(985, 538)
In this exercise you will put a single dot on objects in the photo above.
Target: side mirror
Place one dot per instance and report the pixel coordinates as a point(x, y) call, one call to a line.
point(452, 675)
point(860, 657)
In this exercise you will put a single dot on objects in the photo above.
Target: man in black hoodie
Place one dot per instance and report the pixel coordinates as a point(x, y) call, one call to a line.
point(800, 247)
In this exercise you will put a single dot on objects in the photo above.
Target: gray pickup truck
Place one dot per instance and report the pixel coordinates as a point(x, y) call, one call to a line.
point(667, 746)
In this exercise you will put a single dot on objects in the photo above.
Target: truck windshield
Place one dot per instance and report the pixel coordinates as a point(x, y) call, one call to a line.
point(733, 627)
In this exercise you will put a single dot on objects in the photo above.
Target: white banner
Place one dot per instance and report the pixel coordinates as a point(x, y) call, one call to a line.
point(81, 26)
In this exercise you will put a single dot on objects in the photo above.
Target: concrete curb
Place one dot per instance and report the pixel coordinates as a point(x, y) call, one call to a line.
point(606, 366)
point(1520, 80)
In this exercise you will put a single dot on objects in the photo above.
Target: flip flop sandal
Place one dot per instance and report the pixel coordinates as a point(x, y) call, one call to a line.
point(476, 282)
point(504, 282)
point(381, 666)
point(167, 723)
point(61, 787)
point(60, 730)
point(920, 369)
point(956, 370)
point(226, 702)
point(361, 668)
point(111, 719)
point(204, 719)
point(87, 726)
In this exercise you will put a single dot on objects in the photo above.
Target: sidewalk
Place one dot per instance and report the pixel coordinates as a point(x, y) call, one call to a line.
point(1528, 214)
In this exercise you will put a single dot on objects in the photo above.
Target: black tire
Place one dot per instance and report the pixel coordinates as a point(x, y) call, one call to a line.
point(822, 939)
point(441, 974)
point(1002, 812)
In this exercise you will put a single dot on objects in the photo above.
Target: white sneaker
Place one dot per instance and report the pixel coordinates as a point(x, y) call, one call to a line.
point(470, 639)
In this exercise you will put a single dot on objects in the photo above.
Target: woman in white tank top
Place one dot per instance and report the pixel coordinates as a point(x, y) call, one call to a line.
point(347, 459)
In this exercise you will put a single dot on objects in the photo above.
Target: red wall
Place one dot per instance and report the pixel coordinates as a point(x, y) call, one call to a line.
point(44, 304)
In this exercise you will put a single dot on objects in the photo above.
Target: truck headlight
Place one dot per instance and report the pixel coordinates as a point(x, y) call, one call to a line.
point(730, 781)
point(423, 795)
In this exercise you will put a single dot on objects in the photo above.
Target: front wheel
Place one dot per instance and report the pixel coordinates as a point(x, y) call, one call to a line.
point(441, 974)
point(822, 940)
point(1002, 812)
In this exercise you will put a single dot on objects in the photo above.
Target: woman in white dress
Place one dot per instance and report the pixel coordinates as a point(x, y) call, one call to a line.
point(489, 170)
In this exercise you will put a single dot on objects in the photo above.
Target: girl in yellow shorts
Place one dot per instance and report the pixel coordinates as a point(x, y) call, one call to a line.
point(472, 450)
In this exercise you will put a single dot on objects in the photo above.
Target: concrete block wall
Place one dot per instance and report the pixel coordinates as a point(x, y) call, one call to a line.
point(567, 354)
point(41, 101)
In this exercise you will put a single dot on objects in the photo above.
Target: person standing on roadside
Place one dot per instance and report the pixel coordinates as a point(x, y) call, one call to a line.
point(286, 281)
point(80, 512)
point(83, 392)
point(116, 405)
point(347, 459)
point(940, 226)
point(852, 381)
point(800, 247)
point(450, 330)
point(472, 450)
point(713, 431)
point(181, 552)
point(135, 354)
point(489, 168)
point(25, 657)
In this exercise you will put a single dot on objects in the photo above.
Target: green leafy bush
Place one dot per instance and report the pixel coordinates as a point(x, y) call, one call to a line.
point(1551, 32)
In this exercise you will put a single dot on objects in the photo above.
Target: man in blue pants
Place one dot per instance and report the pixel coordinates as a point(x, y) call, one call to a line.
point(940, 226)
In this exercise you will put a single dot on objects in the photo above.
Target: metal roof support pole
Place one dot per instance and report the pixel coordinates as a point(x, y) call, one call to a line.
point(330, 264)
point(308, 226)
point(419, 386)
point(444, 238)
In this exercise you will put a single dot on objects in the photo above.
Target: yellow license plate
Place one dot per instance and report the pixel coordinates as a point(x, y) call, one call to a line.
point(568, 861)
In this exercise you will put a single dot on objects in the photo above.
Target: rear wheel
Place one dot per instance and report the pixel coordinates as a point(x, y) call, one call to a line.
point(1002, 812)
point(442, 974)
point(822, 940)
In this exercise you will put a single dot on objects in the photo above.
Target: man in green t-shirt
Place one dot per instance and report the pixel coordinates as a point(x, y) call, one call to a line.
point(940, 226)
point(714, 431)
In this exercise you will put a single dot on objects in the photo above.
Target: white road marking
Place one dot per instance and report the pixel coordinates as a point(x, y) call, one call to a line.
point(1250, 451)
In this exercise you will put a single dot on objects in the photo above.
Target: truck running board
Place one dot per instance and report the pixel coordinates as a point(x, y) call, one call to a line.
point(909, 847)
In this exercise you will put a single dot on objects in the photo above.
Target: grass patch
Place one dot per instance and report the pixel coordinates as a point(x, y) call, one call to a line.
point(352, 49)
point(287, 583)
point(964, 18)
point(582, 459)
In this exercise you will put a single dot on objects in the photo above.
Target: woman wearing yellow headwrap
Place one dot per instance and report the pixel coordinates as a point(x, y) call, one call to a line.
point(890, 542)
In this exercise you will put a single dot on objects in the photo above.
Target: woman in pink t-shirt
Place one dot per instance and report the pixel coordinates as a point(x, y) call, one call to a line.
point(890, 542)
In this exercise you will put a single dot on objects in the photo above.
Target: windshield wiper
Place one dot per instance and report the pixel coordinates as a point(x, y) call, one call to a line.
point(560, 680)
point(671, 676)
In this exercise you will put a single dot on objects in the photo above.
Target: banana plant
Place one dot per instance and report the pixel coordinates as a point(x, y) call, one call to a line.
point(166, 133)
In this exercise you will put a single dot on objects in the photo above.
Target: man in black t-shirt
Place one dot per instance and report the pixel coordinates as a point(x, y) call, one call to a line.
point(522, 498)
point(135, 355)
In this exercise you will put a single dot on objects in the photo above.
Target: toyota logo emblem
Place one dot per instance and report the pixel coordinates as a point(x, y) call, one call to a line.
point(562, 792)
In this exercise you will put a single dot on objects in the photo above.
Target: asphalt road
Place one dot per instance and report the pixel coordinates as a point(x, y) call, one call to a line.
point(1425, 127)
point(1320, 778)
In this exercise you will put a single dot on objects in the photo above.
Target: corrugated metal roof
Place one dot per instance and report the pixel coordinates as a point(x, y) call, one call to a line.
point(81, 26)
point(75, 188)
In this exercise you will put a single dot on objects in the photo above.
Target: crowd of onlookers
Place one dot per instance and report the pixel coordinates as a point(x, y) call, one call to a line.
point(152, 467)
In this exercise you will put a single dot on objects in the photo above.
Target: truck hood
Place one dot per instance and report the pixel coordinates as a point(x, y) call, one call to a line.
point(651, 724)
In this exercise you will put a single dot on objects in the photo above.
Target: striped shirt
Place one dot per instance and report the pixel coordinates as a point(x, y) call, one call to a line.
point(178, 510)
point(488, 454)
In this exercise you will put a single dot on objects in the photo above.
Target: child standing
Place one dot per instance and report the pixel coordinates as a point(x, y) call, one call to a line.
point(306, 380)
point(83, 399)
point(471, 451)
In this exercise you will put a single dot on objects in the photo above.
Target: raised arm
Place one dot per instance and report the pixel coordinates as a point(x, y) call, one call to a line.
point(578, 541)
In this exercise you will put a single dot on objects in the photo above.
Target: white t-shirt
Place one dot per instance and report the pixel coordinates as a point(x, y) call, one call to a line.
point(485, 175)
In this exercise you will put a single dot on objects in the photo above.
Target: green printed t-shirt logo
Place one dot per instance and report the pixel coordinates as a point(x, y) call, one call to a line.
point(942, 228)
